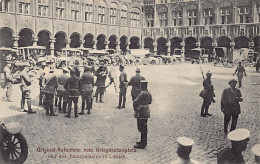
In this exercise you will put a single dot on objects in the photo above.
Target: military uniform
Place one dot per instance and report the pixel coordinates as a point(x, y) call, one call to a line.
point(142, 113)
point(123, 87)
point(72, 86)
point(87, 85)
point(51, 85)
point(101, 74)
point(230, 106)
point(256, 152)
point(240, 71)
point(112, 76)
point(42, 73)
point(8, 79)
point(61, 91)
point(239, 139)
point(135, 83)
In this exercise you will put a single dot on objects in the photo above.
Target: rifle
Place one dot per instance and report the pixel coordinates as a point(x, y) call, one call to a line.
point(202, 73)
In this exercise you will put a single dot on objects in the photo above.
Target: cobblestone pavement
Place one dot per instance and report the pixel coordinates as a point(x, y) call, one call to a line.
point(175, 111)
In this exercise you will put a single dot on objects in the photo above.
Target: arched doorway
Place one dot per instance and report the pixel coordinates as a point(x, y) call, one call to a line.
point(60, 41)
point(44, 39)
point(112, 42)
point(175, 43)
point(75, 40)
point(148, 43)
point(25, 38)
point(190, 43)
point(88, 41)
point(6, 35)
point(224, 41)
point(134, 43)
point(161, 46)
point(123, 43)
point(101, 39)
point(206, 43)
point(241, 42)
point(257, 43)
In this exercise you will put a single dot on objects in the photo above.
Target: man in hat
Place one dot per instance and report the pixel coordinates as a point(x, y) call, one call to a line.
point(122, 87)
point(42, 73)
point(240, 71)
point(8, 78)
point(184, 149)
point(208, 95)
point(239, 139)
point(142, 113)
point(230, 105)
point(61, 91)
point(76, 68)
point(256, 152)
point(25, 87)
point(135, 83)
point(101, 74)
point(87, 85)
point(51, 85)
point(72, 86)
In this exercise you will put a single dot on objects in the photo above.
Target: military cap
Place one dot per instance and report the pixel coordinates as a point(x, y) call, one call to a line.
point(65, 69)
point(143, 82)
point(121, 66)
point(137, 70)
point(76, 62)
point(51, 69)
point(209, 73)
point(256, 150)
point(184, 141)
point(232, 81)
point(238, 135)
point(87, 68)
point(101, 63)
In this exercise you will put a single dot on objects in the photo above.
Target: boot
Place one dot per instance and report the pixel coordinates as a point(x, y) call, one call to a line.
point(59, 107)
point(225, 128)
point(51, 111)
point(202, 112)
point(40, 98)
point(100, 97)
point(22, 106)
point(143, 142)
point(76, 111)
point(239, 84)
point(120, 101)
point(64, 107)
point(96, 99)
point(124, 100)
point(206, 111)
point(29, 104)
point(82, 109)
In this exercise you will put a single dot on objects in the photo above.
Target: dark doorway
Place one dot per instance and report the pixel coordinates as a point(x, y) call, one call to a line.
point(241, 42)
point(190, 43)
point(148, 43)
point(134, 43)
point(25, 38)
point(112, 42)
point(61, 42)
point(101, 42)
point(161, 46)
point(88, 41)
point(175, 43)
point(6, 37)
point(75, 40)
point(123, 43)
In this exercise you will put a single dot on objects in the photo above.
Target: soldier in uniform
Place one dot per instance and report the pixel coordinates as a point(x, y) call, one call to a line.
point(72, 86)
point(184, 149)
point(87, 85)
point(61, 91)
point(41, 81)
point(8, 78)
point(239, 139)
point(240, 71)
point(101, 74)
point(230, 105)
point(208, 95)
point(122, 86)
point(50, 87)
point(76, 68)
point(26, 89)
point(112, 77)
point(142, 113)
point(256, 152)
point(135, 83)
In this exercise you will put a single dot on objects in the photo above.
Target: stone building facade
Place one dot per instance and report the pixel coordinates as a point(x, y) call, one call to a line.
point(100, 24)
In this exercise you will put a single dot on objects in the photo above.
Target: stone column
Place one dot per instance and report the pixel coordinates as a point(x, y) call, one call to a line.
point(106, 45)
point(168, 44)
point(232, 44)
point(117, 46)
point(155, 48)
point(82, 43)
point(198, 44)
point(16, 38)
point(52, 40)
point(68, 43)
point(95, 44)
point(182, 51)
point(35, 40)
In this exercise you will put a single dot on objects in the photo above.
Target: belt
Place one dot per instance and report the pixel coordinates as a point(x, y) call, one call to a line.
point(143, 106)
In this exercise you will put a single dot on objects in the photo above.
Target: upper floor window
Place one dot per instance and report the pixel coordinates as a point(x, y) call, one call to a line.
point(225, 14)
point(101, 14)
point(113, 13)
point(208, 16)
point(244, 14)
point(24, 8)
point(6, 6)
point(149, 16)
point(88, 12)
point(74, 10)
point(43, 7)
point(123, 15)
point(192, 17)
point(59, 8)
point(163, 16)
point(135, 19)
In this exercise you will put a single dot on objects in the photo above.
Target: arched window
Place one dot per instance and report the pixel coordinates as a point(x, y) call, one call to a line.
point(226, 12)
point(149, 16)
point(163, 16)
point(101, 11)
point(177, 15)
point(123, 15)
point(113, 13)
point(208, 13)
point(89, 11)
point(135, 17)
point(192, 10)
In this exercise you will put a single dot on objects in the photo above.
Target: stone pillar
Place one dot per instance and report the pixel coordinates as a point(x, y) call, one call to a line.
point(232, 44)
point(251, 45)
point(52, 40)
point(214, 45)
point(168, 44)
point(106, 45)
point(254, 13)
point(68, 43)
point(95, 44)
point(182, 51)
point(16, 38)
point(117, 46)
point(82, 43)
point(155, 48)
point(35, 40)
point(198, 44)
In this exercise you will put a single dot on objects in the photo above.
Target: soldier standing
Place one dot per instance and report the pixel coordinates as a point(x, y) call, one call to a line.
point(135, 83)
point(72, 86)
point(239, 139)
point(26, 89)
point(142, 113)
point(87, 85)
point(256, 152)
point(41, 81)
point(208, 95)
point(61, 91)
point(122, 86)
point(240, 71)
point(101, 74)
point(51, 84)
point(184, 149)
point(230, 105)
point(112, 77)
point(8, 78)
point(76, 68)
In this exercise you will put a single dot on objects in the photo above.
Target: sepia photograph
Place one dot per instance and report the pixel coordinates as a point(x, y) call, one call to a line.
point(130, 81)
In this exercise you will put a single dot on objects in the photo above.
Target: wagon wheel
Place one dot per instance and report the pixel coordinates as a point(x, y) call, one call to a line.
point(14, 148)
